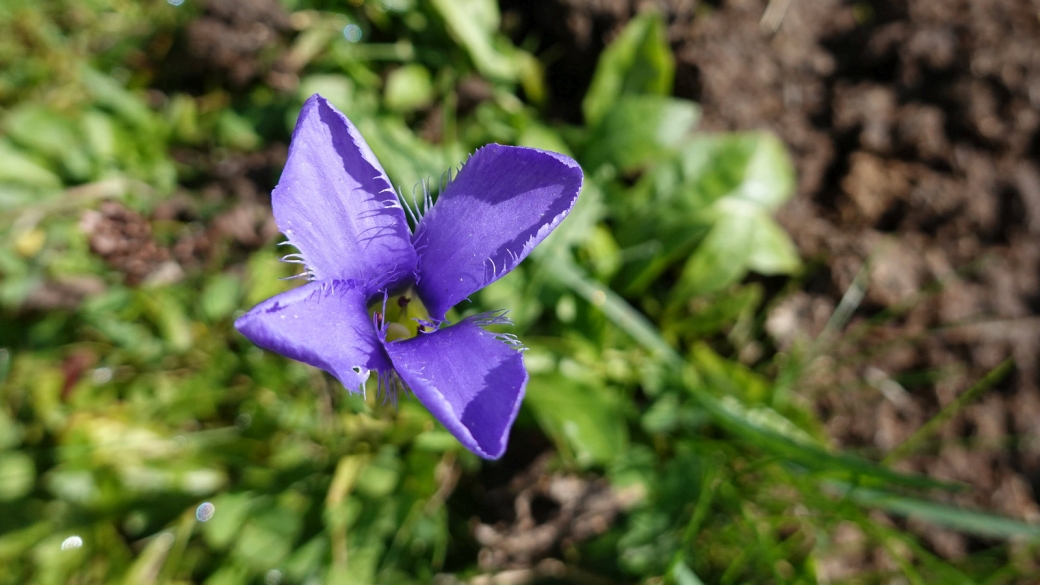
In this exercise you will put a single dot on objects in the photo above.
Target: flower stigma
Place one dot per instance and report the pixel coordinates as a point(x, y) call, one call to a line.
point(403, 316)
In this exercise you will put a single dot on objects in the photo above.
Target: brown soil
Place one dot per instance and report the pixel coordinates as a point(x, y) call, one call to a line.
point(914, 129)
point(230, 44)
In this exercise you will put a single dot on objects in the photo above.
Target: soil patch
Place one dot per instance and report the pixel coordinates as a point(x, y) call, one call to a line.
point(914, 128)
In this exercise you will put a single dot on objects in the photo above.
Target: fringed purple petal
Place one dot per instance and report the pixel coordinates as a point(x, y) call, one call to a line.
point(336, 205)
point(324, 324)
point(504, 201)
point(472, 380)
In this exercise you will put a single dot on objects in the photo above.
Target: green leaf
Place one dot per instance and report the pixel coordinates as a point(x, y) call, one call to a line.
point(381, 475)
point(537, 135)
point(307, 560)
point(772, 251)
point(408, 88)
point(124, 103)
point(16, 167)
point(267, 537)
point(220, 296)
point(17, 475)
point(583, 417)
point(51, 135)
point(100, 134)
point(229, 574)
point(728, 377)
point(710, 204)
point(639, 61)
point(753, 167)
point(236, 131)
point(684, 575)
point(970, 521)
point(230, 511)
point(639, 129)
point(773, 433)
point(473, 24)
point(769, 179)
point(720, 260)
point(643, 332)
point(407, 159)
point(182, 115)
point(743, 238)
point(10, 431)
point(170, 318)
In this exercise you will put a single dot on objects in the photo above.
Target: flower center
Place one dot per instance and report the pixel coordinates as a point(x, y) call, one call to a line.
point(404, 317)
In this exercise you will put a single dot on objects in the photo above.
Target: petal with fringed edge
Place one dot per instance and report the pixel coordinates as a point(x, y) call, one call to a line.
point(335, 204)
point(504, 201)
point(470, 379)
point(324, 324)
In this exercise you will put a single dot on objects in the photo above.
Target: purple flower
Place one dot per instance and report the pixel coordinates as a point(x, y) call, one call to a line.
point(335, 204)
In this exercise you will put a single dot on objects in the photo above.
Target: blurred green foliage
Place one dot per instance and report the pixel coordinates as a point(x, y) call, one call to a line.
point(143, 441)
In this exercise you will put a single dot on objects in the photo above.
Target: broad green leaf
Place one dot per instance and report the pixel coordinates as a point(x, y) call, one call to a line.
point(220, 296)
point(772, 251)
point(17, 475)
point(720, 260)
point(307, 560)
point(16, 167)
point(711, 205)
point(408, 88)
point(266, 537)
point(10, 431)
point(532, 77)
point(182, 115)
point(743, 238)
point(638, 129)
point(170, 318)
point(51, 135)
point(229, 574)
point(769, 178)
point(584, 418)
point(639, 61)
point(101, 135)
point(230, 511)
point(236, 131)
point(752, 167)
point(474, 24)
point(727, 377)
point(684, 575)
point(380, 476)
point(124, 103)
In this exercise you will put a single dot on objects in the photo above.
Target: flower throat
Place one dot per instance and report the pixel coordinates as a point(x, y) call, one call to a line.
point(403, 315)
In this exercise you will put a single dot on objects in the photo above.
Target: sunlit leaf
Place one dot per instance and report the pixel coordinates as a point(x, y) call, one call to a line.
point(638, 61)
point(17, 475)
point(474, 24)
point(586, 418)
point(16, 167)
point(638, 129)
point(408, 88)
